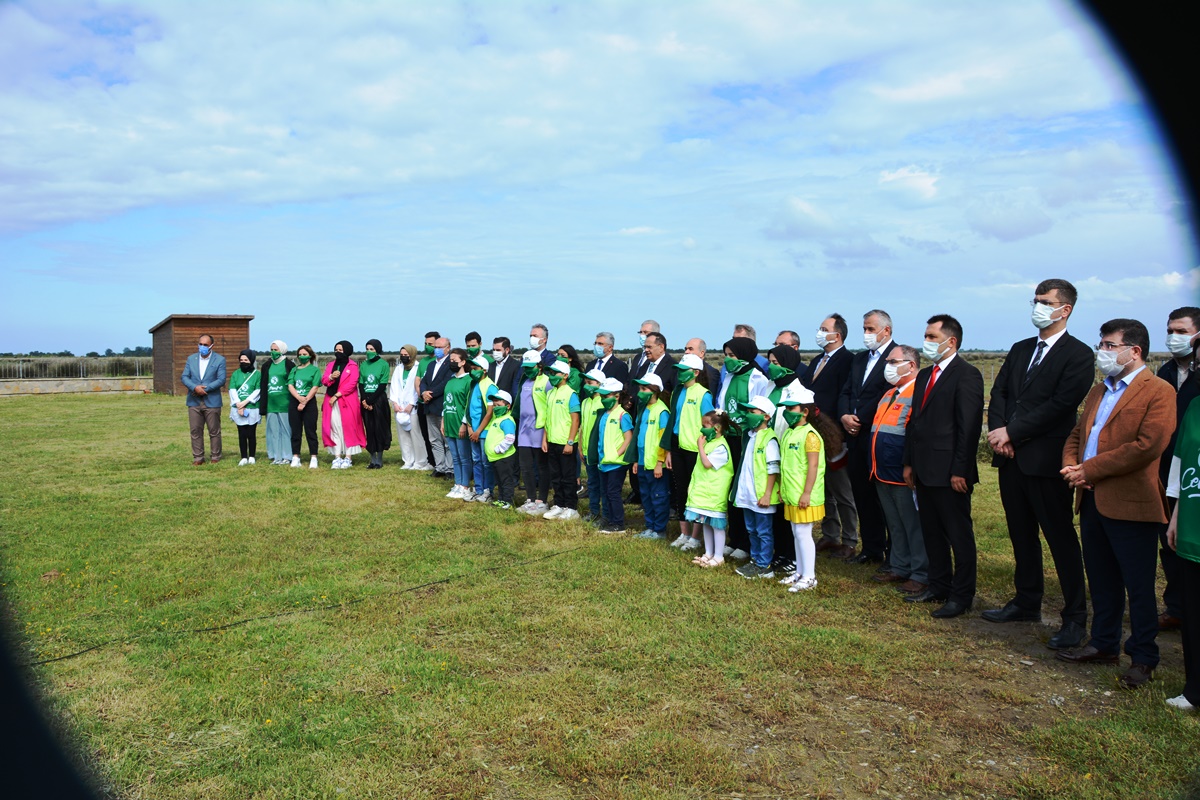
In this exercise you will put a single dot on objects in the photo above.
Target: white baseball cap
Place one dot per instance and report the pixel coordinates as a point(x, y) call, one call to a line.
point(690, 361)
point(801, 396)
point(762, 404)
point(480, 361)
point(503, 395)
point(561, 366)
point(532, 358)
point(595, 375)
point(611, 386)
point(650, 380)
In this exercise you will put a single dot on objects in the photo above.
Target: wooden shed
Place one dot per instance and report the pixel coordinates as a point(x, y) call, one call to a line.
point(176, 337)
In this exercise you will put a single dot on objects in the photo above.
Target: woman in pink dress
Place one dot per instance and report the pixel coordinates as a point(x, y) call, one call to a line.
point(341, 420)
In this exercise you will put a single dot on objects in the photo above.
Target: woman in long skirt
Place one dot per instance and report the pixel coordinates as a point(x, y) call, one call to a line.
point(341, 421)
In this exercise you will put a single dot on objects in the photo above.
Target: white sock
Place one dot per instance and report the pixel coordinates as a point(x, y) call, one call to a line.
point(806, 549)
point(719, 548)
point(708, 542)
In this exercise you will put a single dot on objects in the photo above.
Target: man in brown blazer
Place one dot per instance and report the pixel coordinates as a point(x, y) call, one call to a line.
point(1111, 460)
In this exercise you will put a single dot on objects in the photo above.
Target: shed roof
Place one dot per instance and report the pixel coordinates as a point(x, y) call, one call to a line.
point(246, 317)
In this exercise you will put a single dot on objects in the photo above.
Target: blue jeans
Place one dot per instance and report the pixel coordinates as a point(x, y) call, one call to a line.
point(656, 498)
point(611, 504)
point(460, 454)
point(485, 478)
point(760, 528)
point(595, 490)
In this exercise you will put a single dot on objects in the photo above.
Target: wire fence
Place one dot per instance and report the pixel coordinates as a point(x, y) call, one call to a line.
point(106, 367)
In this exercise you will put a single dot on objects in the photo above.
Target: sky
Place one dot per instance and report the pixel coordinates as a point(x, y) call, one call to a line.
point(376, 170)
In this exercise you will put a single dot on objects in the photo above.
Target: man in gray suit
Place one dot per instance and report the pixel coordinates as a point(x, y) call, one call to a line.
point(204, 377)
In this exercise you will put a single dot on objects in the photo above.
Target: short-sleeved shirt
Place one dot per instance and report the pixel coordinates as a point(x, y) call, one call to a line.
point(276, 388)
point(454, 409)
point(626, 425)
point(475, 406)
point(706, 405)
point(663, 418)
point(303, 379)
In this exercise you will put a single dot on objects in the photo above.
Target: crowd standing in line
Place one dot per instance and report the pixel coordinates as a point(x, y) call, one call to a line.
point(748, 458)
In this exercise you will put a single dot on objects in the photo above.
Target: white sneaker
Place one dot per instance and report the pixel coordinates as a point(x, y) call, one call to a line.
point(681, 541)
point(468, 496)
point(295, 461)
point(526, 507)
point(568, 513)
point(337, 464)
point(738, 555)
point(312, 463)
point(250, 459)
point(243, 462)
point(484, 497)
point(455, 493)
point(347, 463)
point(539, 508)
point(553, 513)
point(803, 585)
point(1181, 703)
point(790, 579)
point(690, 545)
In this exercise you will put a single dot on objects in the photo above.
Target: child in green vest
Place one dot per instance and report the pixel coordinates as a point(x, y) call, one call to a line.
point(500, 448)
point(589, 410)
point(808, 439)
point(756, 490)
point(652, 477)
point(614, 438)
point(708, 491)
point(559, 441)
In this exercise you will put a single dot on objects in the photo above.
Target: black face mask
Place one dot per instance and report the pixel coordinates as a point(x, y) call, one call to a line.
point(246, 367)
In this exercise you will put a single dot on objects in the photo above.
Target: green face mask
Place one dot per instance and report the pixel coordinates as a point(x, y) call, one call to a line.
point(733, 364)
point(561, 358)
point(472, 351)
point(428, 350)
point(608, 400)
point(709, 433)
point(304, 359)
point(274, 354)
point(793, 417)
point(776, 371)
point(372, 355)
point(499, 411)
point(530, 372)
point(686, 375)
point(556, 380)
point(753, 420)
point(643, 397)
point(588, 391)
point(477, 375)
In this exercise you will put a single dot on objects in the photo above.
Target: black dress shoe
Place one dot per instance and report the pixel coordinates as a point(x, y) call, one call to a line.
point(1069, 635)
point(927, 596)
point(866, 558)
point(1087, 655)
point(952, 608)
point(1011, 613)
point(1137, 675)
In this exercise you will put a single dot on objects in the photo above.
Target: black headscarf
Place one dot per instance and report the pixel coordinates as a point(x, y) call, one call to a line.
point(342, 360)
point(249, 354)
point(788, 358)
point(378, 345)
point(743, 349)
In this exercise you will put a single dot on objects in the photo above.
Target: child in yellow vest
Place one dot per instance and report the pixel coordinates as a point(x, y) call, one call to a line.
point(708, 491)
point(650, 468)
point(559, 441)
point(756, 490)
point(500, 447)
point(614, 437)
point(805, 444)
point(590, 410)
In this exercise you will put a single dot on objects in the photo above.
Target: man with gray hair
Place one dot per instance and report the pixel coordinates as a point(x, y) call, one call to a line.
point(648, 327)
point(605, 361)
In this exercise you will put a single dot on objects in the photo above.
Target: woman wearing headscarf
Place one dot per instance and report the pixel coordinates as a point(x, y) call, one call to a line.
point(743, 381)
point(341, 418)
point(243, 405)
point(402, 392)
point(274, 404)
point(373, 377)
point(784, 364)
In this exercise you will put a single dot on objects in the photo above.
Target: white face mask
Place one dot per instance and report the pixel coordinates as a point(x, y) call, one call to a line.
point(1106, 362)
point(534, 342)
point(871, 341)
point(498, 355)
point(933, 351)
point(1043, 316)
point(891, 373)
point(821, 339)
point(1180, 344)
point(642, 339)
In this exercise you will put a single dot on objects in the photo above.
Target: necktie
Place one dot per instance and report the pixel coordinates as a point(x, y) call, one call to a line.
point(929, 386)
point(1037, 357)
point(870, 363)
point(821, 366)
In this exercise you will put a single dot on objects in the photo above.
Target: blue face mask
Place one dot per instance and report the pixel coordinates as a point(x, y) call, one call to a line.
point(205, 349)
point(598, 350)
point(438, 352)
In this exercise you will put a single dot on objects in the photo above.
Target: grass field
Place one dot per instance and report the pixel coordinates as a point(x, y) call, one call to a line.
point(403, 645)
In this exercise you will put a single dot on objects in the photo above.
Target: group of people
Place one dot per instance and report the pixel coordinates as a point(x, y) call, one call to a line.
point(879, 450)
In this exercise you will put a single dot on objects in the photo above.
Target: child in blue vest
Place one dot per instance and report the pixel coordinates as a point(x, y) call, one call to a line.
point(650, 468)
point(708, 491)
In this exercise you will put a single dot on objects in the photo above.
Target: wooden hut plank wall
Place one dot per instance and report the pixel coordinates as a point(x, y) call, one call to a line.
point(176, 336)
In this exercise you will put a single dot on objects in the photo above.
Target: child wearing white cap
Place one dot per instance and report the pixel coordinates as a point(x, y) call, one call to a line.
point(479, 414)
point(589, 410)
point(757, 489)
point(559, 441)
point(690, 402)
point(650, 468)
point(804, 449)
point(614, 437)
point(500, 447)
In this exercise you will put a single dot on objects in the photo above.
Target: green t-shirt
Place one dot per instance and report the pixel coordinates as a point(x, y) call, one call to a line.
point(1187, 450)
point(372, 376)
point(244, 383)
point(277, 393)
point(303, 379)
point(454, 407)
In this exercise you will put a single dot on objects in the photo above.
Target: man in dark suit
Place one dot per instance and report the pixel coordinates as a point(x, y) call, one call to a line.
point(941, 441)
point(433, 392)
point(1111, 461)
point(1030, 415)
point(699, 349)
point(1183, 325)
point(856, 408)
point(504, 369)
point(824, 377)
point(605, 361)
point(638, 362)
point(658, 362)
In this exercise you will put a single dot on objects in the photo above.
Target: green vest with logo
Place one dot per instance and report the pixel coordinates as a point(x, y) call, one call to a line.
point(558, 414)
point(653, 433)
point(614, 437)
point(493, 436)
point(589, 408)
point(759, 454)
point(794, 467)
point(709, 489)
point(690, 417)
point(540, 384)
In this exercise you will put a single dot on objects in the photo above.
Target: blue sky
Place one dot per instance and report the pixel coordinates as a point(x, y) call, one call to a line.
point(359, 170)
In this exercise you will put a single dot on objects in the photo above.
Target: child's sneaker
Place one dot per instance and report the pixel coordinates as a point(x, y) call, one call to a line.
point(790, 579)
point(312, 462)
point(455, 493)
point(690, 545)
point(681, 541)
point(502, 504)
point(553, 512)
point(295, 461)
point(484, 497)
point(738, 555)
point(803, 585)
point(568, 513)
point(526, 507)
point(750, 571)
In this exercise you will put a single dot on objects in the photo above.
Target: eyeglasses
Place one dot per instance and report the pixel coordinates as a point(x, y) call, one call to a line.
point(1036, 302)
point(897, 363)
point(1112, 346)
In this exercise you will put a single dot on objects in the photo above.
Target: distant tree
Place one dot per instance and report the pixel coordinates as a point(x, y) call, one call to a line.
point(93, 354)
point(65, 354)
point(108, 353)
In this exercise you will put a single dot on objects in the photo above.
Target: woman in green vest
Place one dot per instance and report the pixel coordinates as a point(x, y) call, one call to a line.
point(244, 392)
point(808, 439)
point(708, 491)
point(650, 467)
point(1183, 535)
point(374, 374)
point(274, 404)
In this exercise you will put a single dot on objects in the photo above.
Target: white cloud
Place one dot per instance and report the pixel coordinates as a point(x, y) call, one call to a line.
point(640, 230)
point(799, 219)
point(1006, 218)
point(910, 182)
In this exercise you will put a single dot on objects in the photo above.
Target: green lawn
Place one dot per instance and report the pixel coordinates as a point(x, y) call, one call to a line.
point(411, 646)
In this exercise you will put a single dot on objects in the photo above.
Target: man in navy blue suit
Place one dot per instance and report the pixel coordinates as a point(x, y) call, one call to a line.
point(204, 376)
